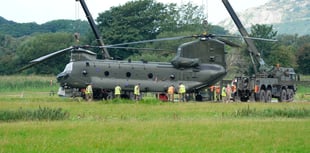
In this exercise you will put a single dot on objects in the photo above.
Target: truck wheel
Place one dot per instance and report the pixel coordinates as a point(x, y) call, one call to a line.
point(262, 95)
point(268, 96)
point(283, 96)
point(290, 95)
point(244, 99)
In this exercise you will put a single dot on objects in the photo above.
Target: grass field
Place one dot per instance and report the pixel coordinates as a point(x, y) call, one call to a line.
point(153, 126)
point(156, 127)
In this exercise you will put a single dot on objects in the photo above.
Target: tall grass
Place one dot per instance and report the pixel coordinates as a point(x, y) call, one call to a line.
point(42, 113)
point(271, 112)
point(17, 83)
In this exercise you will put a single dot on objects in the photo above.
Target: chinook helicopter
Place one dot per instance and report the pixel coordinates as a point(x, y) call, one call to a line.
point(197, 64)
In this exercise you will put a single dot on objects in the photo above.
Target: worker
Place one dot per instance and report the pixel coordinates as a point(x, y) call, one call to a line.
point(171, 93)
point(137, 91)
point(217, 91)
point(233, 90)
point(228, 93)
point(182, 91)
point(117, 91)
point(211, 93)
point(224, 94)
point(89, 92)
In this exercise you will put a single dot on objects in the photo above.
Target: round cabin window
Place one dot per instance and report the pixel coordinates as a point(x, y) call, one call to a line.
point(128, 74)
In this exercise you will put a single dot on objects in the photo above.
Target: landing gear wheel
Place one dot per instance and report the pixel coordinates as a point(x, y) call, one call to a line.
point(268, 96)
point(198, 98)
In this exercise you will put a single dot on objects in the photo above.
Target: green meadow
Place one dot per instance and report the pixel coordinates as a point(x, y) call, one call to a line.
point(148, 125)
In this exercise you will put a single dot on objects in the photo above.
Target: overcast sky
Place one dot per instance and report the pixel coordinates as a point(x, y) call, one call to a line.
point(41, 11)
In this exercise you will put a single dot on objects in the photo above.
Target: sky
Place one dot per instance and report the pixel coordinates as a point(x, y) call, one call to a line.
point(41, 11)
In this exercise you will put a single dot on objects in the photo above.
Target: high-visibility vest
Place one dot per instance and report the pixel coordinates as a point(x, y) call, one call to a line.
point(137, 90)
point(171, 90)
point(89, 89)
point(182, 89)
point(223, 92)
point(117, 90)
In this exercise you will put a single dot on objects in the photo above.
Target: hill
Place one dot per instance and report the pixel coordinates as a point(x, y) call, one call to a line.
point(286, 16)
point(21, 29)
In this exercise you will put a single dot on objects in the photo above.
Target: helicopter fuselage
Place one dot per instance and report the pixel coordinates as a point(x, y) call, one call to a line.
point(197, 65)
point(152, 76)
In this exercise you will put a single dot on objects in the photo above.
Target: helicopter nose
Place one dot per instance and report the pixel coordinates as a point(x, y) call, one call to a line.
point(62, 76)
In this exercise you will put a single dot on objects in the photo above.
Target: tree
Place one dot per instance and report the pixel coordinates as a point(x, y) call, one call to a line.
point(288, 40)
point(23, 29)
point(189, 17)
point(284, 55)
point(264, 31)
point(303, 56)
point(42, 44)
point(147, 19)
point(8, 47)
point(133, 21)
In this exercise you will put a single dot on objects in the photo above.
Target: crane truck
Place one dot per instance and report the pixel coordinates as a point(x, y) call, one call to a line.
point(268, 81)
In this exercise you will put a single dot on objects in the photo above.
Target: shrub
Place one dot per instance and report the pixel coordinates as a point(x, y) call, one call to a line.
point(44, 113)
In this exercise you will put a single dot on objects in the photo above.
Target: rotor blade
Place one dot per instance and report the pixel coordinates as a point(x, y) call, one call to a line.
point(230, 43)
point(26, 67)
point(263, 39)
point(147, 41)
point(254, 38)
point(126, 48)
point(43, 58)
point(136, 48)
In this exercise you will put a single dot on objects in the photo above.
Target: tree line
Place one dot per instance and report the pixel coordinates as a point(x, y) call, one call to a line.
point(135, 21)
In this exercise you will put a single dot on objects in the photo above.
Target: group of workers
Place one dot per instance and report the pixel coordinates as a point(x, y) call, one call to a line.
point(136, 91)
point(216, 92)
point(117, 92)
point(181, 92)
point(224, 94)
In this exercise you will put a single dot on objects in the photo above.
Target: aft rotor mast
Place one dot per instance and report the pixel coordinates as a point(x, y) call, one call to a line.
point(251, 47)
point(94, 28)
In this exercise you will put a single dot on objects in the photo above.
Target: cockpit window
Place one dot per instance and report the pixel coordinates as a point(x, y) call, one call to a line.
point(68, 68)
